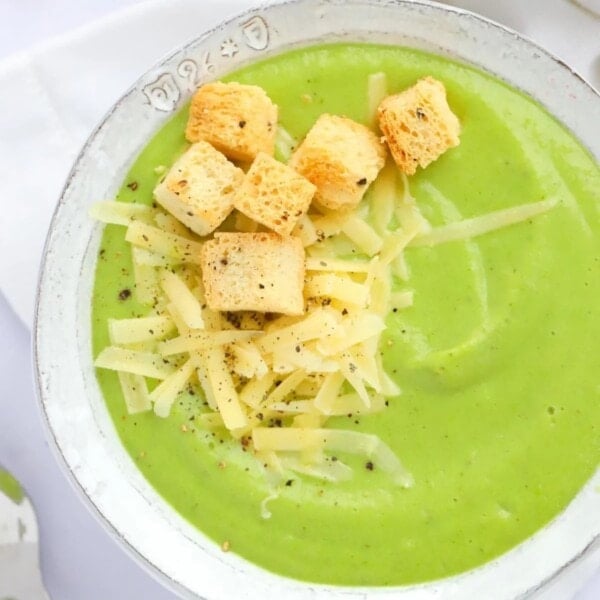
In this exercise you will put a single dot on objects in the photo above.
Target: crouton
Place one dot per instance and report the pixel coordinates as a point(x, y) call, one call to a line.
point(199, 188)
point(418, 124)
point(239, 120)
point(262, 272)
point(274, 194)
point(341, 158)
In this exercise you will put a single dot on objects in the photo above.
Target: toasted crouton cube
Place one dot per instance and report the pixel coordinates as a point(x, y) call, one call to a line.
point(199, 188)
point(342, 158)
point(274, 194)
point(239, 120)
point(418, 124)
point(262, 272)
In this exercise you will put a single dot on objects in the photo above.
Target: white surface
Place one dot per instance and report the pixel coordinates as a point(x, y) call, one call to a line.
point(79, 560)
point(54, 95)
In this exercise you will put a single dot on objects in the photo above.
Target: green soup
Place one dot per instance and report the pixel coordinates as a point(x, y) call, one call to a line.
point(499, 419)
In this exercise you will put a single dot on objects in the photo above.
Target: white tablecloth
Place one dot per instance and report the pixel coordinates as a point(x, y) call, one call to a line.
point(39, 137)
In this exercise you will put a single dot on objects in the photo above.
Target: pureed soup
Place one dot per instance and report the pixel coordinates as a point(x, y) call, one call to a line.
point(497, 358)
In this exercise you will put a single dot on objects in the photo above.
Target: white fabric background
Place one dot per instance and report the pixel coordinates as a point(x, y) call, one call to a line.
point(52, 92)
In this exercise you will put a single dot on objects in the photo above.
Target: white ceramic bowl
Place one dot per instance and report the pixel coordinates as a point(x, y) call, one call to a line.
point(178, 554)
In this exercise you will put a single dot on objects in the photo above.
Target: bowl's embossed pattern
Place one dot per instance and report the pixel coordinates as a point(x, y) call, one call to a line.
point(165, 91)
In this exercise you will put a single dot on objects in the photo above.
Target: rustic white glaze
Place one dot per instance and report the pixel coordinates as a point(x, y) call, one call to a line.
point(174, 551)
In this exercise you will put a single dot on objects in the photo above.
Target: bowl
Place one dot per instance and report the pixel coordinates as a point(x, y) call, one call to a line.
point(105, 476)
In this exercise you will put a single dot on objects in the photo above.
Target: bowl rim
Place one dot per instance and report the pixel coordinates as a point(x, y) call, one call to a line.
point(38, 348)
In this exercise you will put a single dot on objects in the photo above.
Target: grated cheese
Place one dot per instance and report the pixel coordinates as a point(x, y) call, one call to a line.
point(306, 231)
point(133, 361)
point(352, 330)
point(182, 298)
point(147, 287)
point(340, 287)
point(321, 322)
point(284, 144)
point(377, 90)
point(336, 265)
point(470, 228)
point(170, 224)
point(248, 361)
point(135, 392)
point(150, 259)
point(363, 235)
point(285, 387)
point(223, 390)
point(326, 469)
point(198, 340)
point(351, 404)
point(132, 331)
point(256, 390)
point(161, 242)
point(120, 213)
point(167, 391)
point(383, 198)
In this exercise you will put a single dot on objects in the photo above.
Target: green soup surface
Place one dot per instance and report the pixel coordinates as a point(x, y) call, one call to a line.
point(499, 419)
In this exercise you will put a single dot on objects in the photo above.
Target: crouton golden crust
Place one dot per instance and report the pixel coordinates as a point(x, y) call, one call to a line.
point(418, 124)
point(261, 272)
point(341, 158)
point(199, 188)
point(274, 194)
point(239, 120)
